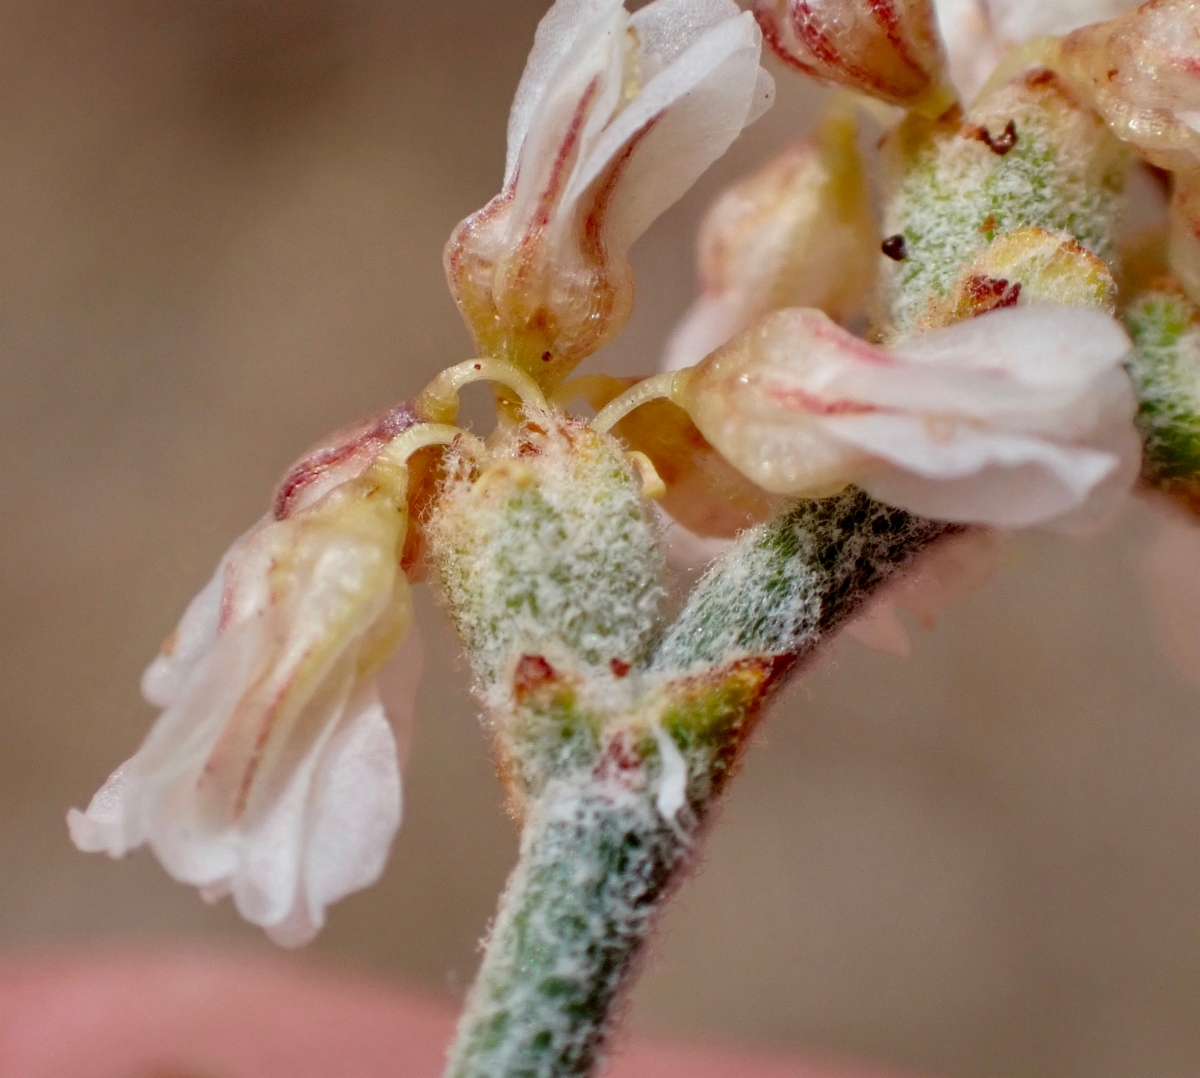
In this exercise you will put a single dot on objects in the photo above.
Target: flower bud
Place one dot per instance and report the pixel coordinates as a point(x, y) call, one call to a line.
point(886, 49)
point(796, 233)
point(549, 546)
point(1141, 72)
point(271, 773)
point(615, 117)
point(1012, 418)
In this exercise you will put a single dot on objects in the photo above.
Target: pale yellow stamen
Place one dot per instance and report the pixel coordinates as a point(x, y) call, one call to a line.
point(669, 385)
point(439, 399)
point(513, 473)
point(400, 448)
point(653, 487)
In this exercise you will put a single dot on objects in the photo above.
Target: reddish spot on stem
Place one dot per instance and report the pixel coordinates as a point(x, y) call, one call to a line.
point(985, 294)
point(1000, 144)
point(532, 672)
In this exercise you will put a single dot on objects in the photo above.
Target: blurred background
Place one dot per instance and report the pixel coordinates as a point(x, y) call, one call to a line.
point(220, 233)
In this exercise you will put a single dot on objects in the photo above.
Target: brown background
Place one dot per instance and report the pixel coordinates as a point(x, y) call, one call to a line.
point(220, 233)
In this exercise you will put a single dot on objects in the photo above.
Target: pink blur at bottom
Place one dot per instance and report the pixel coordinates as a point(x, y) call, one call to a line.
point(195, 1014)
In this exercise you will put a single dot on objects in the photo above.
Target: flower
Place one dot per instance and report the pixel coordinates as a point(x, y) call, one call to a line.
point(796, 233)
point(1141, 72)
point(886, 49)
point(1016, 417)
point(271, 774)
point(615, 117)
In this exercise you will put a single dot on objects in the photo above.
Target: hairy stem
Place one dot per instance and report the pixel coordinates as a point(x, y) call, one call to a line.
point(598, 854)
point(596, 857)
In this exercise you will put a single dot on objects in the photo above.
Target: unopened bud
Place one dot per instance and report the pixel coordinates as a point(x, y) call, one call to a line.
point(549, 550)
point(1141, 72)
point(886, 49)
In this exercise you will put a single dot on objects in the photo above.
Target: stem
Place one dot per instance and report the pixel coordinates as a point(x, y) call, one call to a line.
point(597, 855)
point(596, 858)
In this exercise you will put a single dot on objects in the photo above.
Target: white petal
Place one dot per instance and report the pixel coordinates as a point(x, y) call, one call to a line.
point(562, 29)
point(967, 474)
point(668, 28)
point(699, 105)
point(579, 100)
point(399, 687)
point(353, 815)
point(164, 677)
point(1042, 344)
point(105, 826)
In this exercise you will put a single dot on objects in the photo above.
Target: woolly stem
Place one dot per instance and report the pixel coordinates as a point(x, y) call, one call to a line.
point(597, 854)
point(596, 858)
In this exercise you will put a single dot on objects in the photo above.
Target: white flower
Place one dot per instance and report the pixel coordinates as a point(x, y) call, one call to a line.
point(615, 117)
point(271, 774)
point(1017, 417)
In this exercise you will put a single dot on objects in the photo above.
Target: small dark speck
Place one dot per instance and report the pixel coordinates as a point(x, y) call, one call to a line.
point(479, 366)
point(895, 248)
point(1000, 144)
point(546, 357)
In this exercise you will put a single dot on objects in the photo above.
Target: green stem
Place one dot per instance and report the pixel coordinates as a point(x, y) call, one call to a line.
point(598, 855)
point(596, 858)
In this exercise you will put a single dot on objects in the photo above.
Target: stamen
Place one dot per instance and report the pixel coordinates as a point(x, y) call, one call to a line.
point(653, 486)
point(439, 399)
point(400, 448)
point(668, 385)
